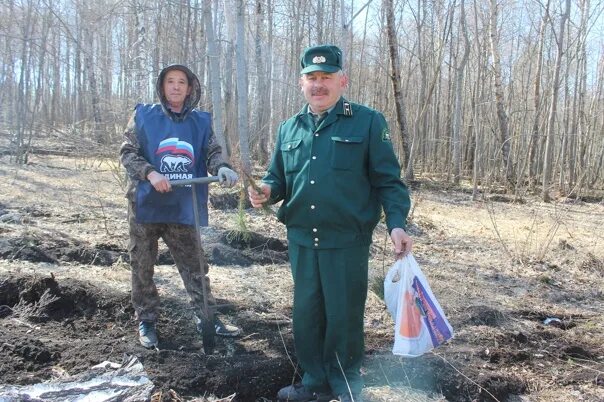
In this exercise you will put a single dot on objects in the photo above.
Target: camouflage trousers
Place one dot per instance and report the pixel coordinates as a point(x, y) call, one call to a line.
point(182, 243)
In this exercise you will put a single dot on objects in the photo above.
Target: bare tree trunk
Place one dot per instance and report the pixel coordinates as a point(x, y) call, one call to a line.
point(214, 75)
point(477, 100)
point(320, 18)
point(21, 106)
point(358, 92)
point(242, 107)
point(578, 125)
point(55, 103)
point(271, 88)
point(537, 101)
point(456, 140)
point(78, 91)
point(565, 133)
point(138, 55)
point(395, 75)
point(99, 132)
point(230, 107)
point(475, 146)
point(504, 131)
point(549, 147)
point(34, 112)
point(262, 89)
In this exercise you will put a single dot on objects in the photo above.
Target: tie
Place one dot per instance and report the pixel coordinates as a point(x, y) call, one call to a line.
point(318, 119)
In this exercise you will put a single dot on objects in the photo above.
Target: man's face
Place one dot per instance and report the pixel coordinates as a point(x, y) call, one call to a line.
point(322, 90)
point(176, 88)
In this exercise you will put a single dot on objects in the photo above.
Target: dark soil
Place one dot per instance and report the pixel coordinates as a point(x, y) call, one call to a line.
point(231, 249)
point(226, 200)
point(85, 325)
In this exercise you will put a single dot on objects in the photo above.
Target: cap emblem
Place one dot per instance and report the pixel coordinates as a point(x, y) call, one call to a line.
point(319, 59)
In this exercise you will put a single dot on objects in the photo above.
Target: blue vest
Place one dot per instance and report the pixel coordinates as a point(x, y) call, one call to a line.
point(178, 150)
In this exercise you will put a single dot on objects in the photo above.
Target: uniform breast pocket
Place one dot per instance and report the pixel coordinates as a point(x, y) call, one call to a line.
point(292, 156)
point(347, 152)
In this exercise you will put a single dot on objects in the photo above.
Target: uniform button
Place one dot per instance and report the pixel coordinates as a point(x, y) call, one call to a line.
point(316, 245)
point(347, 140)
point(289, 146)
point(314, 157)
point(316, 239)
point(316, 134)
point(314, 230)
point(312, 182)
point(312, 207)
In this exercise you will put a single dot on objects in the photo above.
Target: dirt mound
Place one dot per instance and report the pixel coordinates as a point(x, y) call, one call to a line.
point(54, 250)
point(483, 315)
point(235, 248)
point(222, 248)
point(39, 299)
point(84, 325)
point(432, 372)
point(227, 200)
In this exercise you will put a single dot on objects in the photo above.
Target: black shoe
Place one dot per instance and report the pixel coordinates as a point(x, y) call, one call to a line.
point(220, 328)
point(299, 393)
point(147, 334)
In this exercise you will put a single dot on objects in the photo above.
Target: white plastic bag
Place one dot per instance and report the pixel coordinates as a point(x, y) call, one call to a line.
point(419, 322)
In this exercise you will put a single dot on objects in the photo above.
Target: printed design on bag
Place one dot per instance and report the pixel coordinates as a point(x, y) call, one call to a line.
point(411, 323)
point(434, 321)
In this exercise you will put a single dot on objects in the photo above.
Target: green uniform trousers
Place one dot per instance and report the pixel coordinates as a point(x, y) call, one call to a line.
point(330, 289)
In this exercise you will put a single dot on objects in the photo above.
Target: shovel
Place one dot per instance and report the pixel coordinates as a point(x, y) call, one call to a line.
point(208, 330)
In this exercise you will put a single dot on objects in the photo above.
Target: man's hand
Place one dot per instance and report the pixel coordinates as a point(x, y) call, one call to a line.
point(401, 241)
point(227, 177)
point(256, 198)
point(159, 182)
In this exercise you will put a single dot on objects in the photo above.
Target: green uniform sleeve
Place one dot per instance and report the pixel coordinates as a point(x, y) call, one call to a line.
point(275, 176)
point(384, 175)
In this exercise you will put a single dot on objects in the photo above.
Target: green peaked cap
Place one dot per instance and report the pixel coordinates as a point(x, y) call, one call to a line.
point(326, 58)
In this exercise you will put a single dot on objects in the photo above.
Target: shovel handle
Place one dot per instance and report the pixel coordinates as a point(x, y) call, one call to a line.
point(207, 311)
point(197, 180)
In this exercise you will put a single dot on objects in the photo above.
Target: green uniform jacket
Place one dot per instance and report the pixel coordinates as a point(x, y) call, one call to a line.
point(335, 179)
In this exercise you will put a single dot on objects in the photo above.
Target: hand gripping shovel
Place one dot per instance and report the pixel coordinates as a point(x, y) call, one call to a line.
point(208, 330)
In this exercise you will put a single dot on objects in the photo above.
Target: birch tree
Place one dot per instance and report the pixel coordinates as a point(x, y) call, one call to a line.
point(532, 158)
point(549, 147)
point(457, 113)
point(214, 76)
point(502, 116)
point(395, 76)
point(242, 91)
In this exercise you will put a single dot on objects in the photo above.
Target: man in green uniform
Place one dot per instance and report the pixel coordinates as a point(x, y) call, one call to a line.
point(334, 168)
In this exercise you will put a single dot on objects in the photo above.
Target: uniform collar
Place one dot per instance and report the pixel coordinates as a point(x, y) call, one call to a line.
point(337, 109)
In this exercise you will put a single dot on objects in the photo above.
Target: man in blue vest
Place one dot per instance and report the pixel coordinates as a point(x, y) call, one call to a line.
point(170, 141)
point(335, 169)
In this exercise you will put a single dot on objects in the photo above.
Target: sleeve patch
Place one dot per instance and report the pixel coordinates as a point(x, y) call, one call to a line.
point(386, 134)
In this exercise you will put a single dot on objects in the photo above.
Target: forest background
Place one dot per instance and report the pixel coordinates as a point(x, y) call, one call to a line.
point(494, 93)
